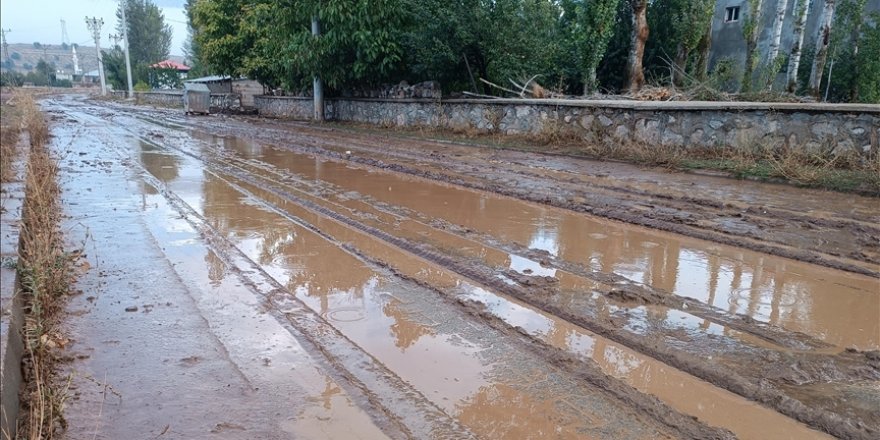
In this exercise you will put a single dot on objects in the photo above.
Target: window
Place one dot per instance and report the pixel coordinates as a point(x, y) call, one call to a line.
point(731, 14)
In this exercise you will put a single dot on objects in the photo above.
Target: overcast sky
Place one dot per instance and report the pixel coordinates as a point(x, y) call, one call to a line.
point(40, 20)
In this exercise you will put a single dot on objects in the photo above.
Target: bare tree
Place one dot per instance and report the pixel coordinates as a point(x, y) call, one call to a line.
point(822, 42)
point(773, 62)
point(802, 10)
point(639, 36)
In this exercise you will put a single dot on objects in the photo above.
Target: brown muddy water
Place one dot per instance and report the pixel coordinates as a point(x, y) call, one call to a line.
point(301, 227)
point(839, 308)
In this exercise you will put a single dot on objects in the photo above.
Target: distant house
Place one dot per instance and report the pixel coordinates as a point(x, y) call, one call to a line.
point(91, 77)
point(168, 74)
point(245, 88)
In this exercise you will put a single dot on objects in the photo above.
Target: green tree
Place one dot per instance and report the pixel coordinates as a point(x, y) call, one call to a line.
point(191, 49)
point(868, 62)
point(589, 26)
point(114, 67)
point(444, 40)
point(677, 26)
point(149, 37)
point(45, 72)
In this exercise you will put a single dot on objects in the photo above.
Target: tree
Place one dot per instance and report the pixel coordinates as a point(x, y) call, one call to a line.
point(447, 41)
point(802, 10)
point(191, 48)
point(37, 45)
point(638, 37)
point(751, 30)
point(677, 27)
point(868, 60)
point(774, 62)
point(114, 67)
point(588, 31)
point(149, 38)
point(823, 40)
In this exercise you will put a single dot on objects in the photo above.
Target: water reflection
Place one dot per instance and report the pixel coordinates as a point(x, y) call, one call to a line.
point(838, 307)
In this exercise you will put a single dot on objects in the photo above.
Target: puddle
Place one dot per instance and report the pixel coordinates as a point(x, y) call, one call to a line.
point(454, 362)
point(681, 391)
point(835, 306)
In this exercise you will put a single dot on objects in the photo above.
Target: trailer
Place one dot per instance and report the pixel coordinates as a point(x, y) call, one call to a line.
point(196, 98)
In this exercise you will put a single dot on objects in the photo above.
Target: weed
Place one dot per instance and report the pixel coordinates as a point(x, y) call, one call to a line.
point(44, 273)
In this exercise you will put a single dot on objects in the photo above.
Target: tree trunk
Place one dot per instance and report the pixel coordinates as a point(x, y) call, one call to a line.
point(802, 9)
point(639, 36)
point(702, 69)
point(856, 36)
point(681, 58)
point(822, 42)
point(590, 81)
point(781, 6)
point(753, 30)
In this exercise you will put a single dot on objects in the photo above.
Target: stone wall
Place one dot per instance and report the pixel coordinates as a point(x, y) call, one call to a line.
point(841, 127)
point(162, 99)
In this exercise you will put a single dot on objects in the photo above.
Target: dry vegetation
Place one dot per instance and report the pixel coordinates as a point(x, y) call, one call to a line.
point(10, 131)
point(44, 276)
point(826, 169)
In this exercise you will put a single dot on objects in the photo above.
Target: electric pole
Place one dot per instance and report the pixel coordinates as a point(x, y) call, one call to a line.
point(94, 25)
point(5, 44)
point(317, 86)
point(64, 38)
point(127, 58)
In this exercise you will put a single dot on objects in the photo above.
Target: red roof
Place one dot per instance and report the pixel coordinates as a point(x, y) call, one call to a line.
point(168, 64)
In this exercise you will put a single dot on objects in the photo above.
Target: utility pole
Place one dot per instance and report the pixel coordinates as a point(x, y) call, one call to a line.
point(5, 44)
point(127, 59)
point(317, 86)
point(94, 25)
point(64, 38)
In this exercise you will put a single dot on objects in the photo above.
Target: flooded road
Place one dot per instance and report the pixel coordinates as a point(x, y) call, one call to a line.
point(352, 293)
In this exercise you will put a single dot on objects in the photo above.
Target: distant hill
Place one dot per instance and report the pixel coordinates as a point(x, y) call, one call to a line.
point(24, 57)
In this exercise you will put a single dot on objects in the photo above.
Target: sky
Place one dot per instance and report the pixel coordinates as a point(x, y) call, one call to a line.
point(40, 20)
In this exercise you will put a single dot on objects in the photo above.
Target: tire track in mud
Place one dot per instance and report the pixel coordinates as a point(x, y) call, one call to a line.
point(819, 418)
point(625, 290)
point(623, 208)
point(686, 426)
point(417, 418)
point(614, 208)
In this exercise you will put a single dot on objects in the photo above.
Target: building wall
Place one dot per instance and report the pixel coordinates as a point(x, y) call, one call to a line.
point(728, 40)
point(813, 127)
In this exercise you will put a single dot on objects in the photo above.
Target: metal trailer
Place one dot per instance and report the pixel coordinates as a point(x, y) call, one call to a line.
point(196, 98)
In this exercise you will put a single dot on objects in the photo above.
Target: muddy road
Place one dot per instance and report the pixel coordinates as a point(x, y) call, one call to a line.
point(342, 282)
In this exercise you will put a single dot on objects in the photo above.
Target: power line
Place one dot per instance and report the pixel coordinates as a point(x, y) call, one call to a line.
point(5, 44)
point(64, 38)
point(94, 24)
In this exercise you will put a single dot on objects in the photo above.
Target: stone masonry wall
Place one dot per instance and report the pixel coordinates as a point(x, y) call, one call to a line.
point(814, 127)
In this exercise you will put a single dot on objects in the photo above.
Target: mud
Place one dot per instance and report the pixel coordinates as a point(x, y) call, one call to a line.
point(367, 259)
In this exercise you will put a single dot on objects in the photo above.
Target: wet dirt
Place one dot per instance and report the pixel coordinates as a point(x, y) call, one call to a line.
point(387, 261)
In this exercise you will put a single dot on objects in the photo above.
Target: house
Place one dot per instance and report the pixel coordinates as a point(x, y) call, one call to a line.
point(182, 69)
point(729, 42)
point(168, 74)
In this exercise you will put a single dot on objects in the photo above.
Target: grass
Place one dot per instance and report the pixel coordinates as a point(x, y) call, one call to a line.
point(825, 169)
point(10, 132)
point(44, 273)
